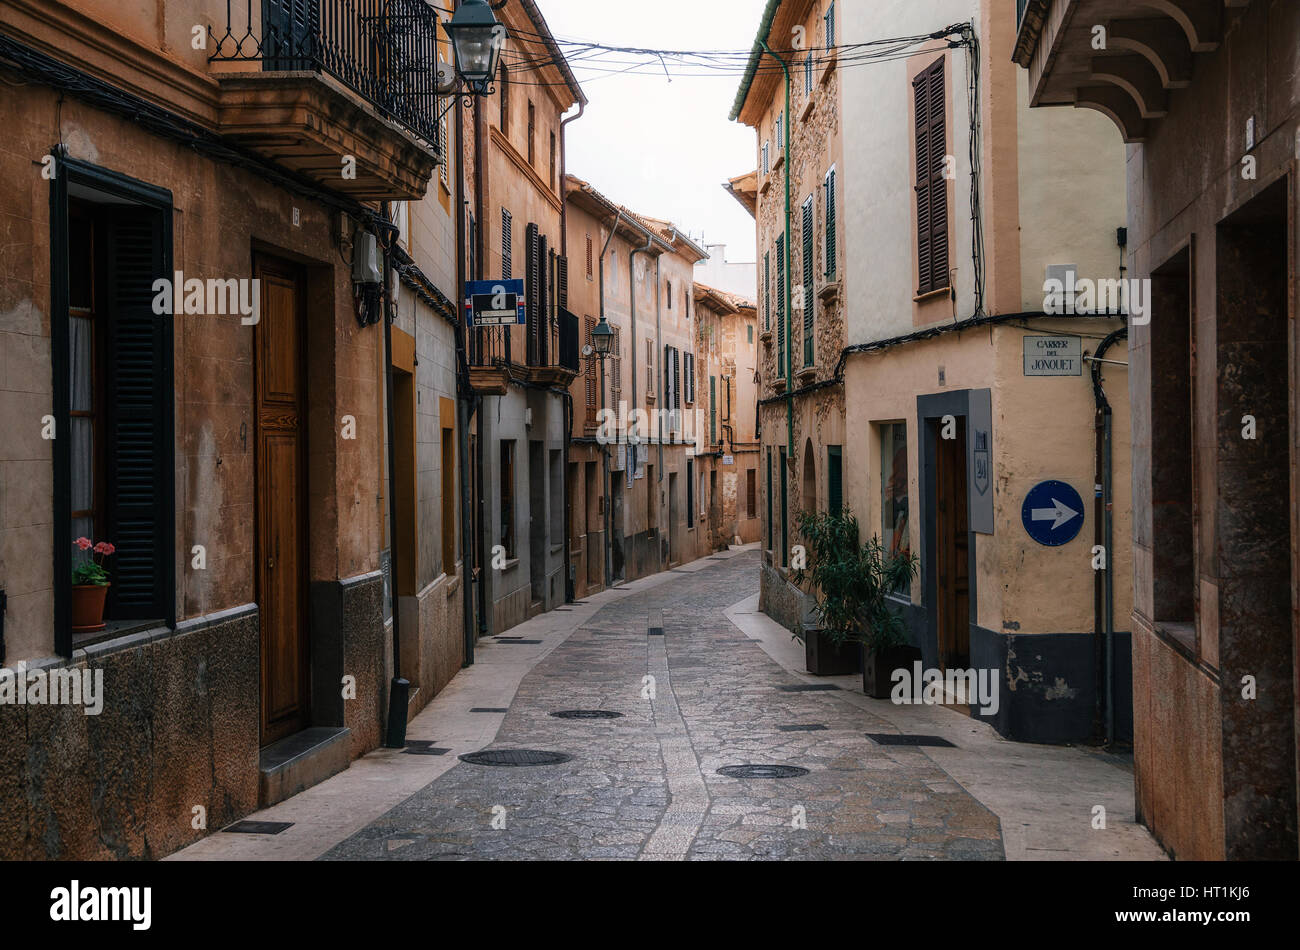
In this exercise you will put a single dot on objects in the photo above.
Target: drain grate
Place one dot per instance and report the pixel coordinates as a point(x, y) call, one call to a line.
point(810, 727)
point(422, 747)
point(908, 739)
point(514, 757)
point(762, 771)
point(809, 688)
point(489, 709)
point(517, 642)
point(258, 827)
point(655, 632)
point(587, 714)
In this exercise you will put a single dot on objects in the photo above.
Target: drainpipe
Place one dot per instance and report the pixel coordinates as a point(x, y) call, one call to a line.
point(480, 257)
point(463, 413)
point(1105, 594)
point(604, 449)
point(663, 403)
point(569, 594)
point(636, 343)
point(399, 692)
point(789, 314)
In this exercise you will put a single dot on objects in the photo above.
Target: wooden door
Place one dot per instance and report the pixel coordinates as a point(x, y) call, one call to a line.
point(281, 555)
point(952, 543)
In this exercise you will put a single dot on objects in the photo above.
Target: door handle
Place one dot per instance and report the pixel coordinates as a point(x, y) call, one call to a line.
point(270, 563)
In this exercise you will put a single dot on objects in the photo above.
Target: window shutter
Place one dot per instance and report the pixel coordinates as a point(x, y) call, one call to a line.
point(590, 258)
point(677, 380)
point(938, 184)
point(532, 289)
point(591, 382)
point(832, 249)
point(138, 444)
point(924, 258)
point(767, 290)
point(507, 243)
point(835, 479)
point(562, 280)
point(713, 410)
point(808, 282)
point(931, 187)
point(780, 305)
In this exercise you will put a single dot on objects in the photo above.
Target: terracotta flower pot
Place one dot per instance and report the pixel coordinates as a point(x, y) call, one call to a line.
point(88, 607)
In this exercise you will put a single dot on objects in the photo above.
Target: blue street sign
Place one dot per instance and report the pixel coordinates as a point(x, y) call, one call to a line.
point(1052, 513)
point(495, 303)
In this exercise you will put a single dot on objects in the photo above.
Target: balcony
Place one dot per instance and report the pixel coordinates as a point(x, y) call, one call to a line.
point(341, 91)
point(1149, 53)
point(550, 358)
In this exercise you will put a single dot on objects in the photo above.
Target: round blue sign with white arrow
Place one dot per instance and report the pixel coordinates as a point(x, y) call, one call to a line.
point(1052, 513)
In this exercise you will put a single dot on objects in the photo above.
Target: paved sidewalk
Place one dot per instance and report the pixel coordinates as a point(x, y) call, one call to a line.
point(1043, 794)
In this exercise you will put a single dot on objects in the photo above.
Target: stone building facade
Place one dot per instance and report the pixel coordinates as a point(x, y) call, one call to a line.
point(521, 375)
point(642, 266)
point(1204, 96)
point(233, 455)
point(791, 97)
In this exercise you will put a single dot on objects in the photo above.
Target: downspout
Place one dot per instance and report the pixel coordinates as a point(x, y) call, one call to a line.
point(569, 593)
point(789, 314)
point(399, 691)
point(604, 449)
point(1105, 599)
point(480, 256)
point(636, 343)
point(463, 413)
point(663, 403)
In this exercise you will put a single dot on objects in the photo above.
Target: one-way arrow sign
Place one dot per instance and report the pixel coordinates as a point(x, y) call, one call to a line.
point(1058, 514)
point(1052, 513)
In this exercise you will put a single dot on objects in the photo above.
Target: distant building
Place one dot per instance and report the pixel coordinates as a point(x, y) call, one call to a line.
point(732, 277)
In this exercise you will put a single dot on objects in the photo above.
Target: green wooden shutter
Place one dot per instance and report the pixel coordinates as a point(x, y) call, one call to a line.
point(785, 541)
point(938, 183)
point(767, 290)
point(780, 305)
point(835, 479)
point(808, 282)
point(770, 529)
point(138, 449)
point(832, 247)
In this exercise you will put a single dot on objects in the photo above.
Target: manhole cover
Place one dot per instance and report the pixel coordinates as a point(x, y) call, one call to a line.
point(587, 714)
point(761, 771)
point(514, 757)
point(906, 739)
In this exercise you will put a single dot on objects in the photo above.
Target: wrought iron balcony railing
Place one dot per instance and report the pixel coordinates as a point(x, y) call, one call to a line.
point(386, 51)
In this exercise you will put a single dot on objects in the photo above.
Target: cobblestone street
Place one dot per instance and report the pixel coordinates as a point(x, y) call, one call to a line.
point(647, 785)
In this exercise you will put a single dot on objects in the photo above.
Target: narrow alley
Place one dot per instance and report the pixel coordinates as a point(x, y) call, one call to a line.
point(684, 682)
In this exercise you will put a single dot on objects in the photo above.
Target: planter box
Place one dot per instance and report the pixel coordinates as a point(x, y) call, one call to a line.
point(825, 658)
point(877, 668)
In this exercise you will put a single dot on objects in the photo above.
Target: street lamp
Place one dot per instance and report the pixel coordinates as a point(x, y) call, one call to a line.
point(602, 338)
point(476, 39)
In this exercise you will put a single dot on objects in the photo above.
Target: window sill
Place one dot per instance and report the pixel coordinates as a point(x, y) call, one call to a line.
point(807, 109)
point(778, 162)
point(830, 293)
point(932, 295)
point(116, 629)
point(806, 375)
point(766, 186)
point(1179, 635)
point(778, 384)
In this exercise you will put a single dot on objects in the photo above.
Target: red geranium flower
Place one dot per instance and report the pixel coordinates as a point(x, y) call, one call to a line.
point(83, 543)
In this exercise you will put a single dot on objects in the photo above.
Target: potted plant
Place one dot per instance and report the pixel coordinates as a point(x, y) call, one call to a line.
point(90, 586)
point(851, 583)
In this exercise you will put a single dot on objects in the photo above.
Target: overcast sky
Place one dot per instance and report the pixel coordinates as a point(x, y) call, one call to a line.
point(664, 148)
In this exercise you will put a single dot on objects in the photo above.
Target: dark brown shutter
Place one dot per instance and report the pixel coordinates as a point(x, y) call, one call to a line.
point(562, 279)
point(507, 243)
point(931, 186)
